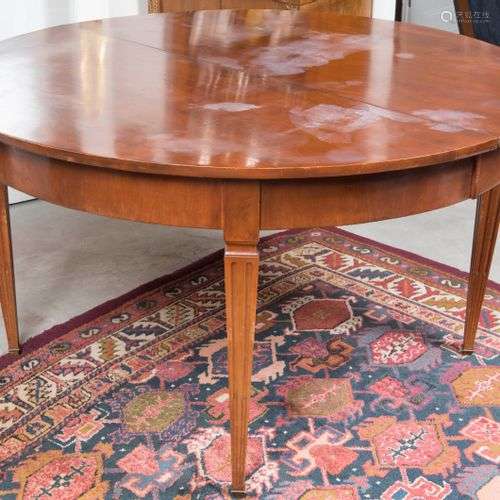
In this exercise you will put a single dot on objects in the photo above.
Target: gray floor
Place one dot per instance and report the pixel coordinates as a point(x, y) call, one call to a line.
point(68, 262)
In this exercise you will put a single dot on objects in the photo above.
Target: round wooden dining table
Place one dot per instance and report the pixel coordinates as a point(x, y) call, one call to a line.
point(250, 120)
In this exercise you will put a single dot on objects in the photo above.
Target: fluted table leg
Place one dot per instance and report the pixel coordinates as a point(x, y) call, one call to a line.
point(485, 236)
point(241, 264)
point(7, 284)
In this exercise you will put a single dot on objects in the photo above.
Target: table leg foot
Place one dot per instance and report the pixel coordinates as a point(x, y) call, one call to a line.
point(238, 493)
point(485, 235)
point(7, 285)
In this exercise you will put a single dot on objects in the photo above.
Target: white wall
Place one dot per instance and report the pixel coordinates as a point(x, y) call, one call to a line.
point(436, 14)
point(384, 9)
point(22, 16)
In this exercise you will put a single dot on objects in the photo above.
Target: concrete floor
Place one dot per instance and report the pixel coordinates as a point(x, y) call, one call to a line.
point(68, 262)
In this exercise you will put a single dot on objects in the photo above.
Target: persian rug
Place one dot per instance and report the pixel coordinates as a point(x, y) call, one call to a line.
point(359, 390)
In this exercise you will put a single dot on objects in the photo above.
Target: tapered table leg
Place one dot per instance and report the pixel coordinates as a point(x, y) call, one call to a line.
point(241, 265)
point(7, 286)
point(485, 236)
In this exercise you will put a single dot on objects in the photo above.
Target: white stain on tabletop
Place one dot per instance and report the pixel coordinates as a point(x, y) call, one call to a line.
point(448, 120)
point(346, 155)
point(226, 62)
point(328, 122)
point(163, 145)
point(231, 107)
point(404, 55)
point(313, 49)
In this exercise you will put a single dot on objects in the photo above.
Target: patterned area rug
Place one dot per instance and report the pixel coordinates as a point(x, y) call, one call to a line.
point(359, 391)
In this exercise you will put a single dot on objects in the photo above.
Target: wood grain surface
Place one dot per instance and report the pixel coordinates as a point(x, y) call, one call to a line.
point(254, 94)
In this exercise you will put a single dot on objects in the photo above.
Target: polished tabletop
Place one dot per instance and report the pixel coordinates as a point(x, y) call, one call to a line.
point(251, 120)
point(249, 94)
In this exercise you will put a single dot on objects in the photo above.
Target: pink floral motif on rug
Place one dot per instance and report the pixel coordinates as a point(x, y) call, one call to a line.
point(358, 391)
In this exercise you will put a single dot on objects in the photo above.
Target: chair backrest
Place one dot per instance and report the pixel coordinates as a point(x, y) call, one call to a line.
point(479, 19)
point(464, 14)
point(347, 7)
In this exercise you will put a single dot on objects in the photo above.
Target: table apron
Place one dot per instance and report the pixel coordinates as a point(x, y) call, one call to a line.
point(158, 199)
point(368, 198)
point(284, 204)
